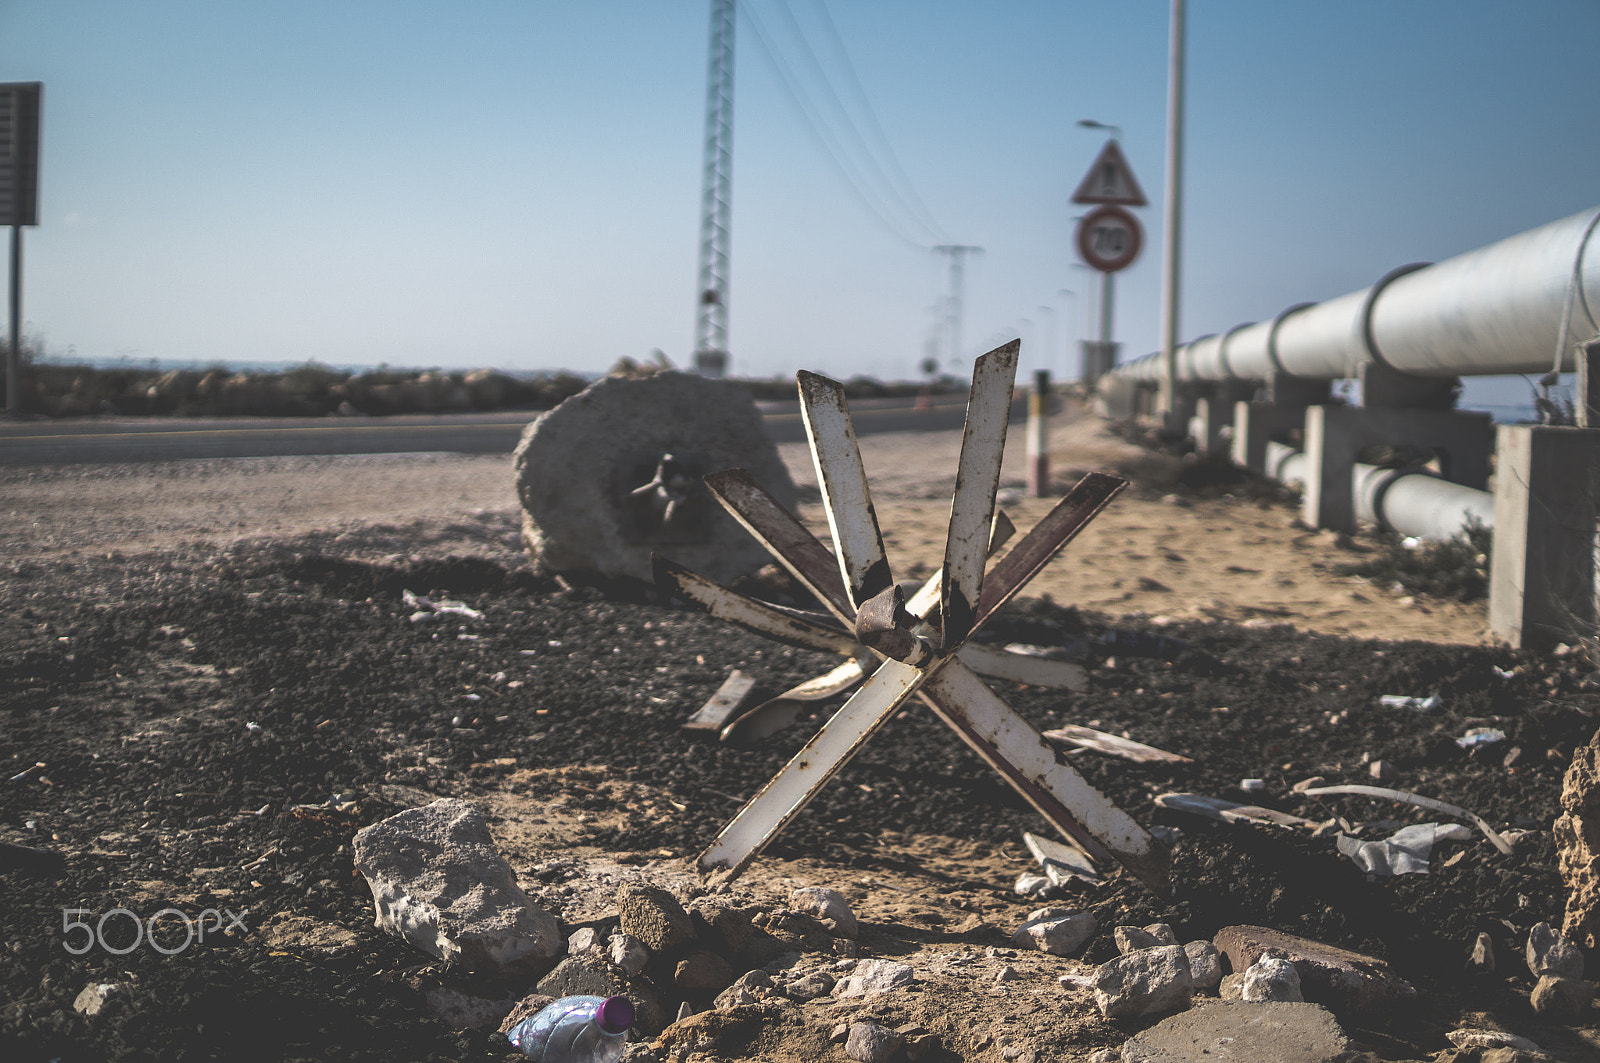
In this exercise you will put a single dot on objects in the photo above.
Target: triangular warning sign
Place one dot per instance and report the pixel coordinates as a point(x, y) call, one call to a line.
point(1110, 180)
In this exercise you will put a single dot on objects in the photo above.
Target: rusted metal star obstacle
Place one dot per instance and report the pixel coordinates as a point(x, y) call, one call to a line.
point(910, 647)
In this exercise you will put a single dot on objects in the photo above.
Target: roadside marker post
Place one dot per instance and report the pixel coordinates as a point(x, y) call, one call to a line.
point(1039, 435)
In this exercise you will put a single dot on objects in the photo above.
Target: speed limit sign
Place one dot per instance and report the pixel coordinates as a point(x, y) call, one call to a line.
point(1109, 239)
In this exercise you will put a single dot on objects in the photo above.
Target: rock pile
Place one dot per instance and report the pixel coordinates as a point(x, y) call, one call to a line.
point(704, 972)
point(439, 883)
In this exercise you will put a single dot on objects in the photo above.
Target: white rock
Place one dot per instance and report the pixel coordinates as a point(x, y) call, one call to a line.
point(1028, 884)
point(1133, 938)
point(438, 882)
point(1205, 965)
point(1271, 979)
point(1550, 953)
point(1058, 934)
point(1481, 959)
point(871, 977)
point(1469, 1040)
point(752, 987)
point(1163, 933)
point(827, 907)
point(628, 953)
point(98, 998)
point(581, 939)
point(1146, 982)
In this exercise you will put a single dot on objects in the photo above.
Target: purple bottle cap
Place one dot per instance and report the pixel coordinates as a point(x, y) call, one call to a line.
point(614, 1015)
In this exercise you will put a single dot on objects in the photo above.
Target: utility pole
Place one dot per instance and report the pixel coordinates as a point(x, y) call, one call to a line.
point(711, 322)
point(1167, 399)
point(956, 252)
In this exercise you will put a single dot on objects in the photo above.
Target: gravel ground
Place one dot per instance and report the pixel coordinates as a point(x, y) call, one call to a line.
point(200, 694)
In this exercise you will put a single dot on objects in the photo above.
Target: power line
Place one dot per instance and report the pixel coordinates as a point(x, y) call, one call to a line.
point(908, 188)
point(899, 194)
point(869, 199)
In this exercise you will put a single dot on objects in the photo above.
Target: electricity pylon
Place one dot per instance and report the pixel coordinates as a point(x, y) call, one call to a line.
point(711, 324)
point(956, 252)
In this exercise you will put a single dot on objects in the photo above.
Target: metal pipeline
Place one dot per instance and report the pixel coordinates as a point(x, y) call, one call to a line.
point(1406, 500)
point(1500, 309)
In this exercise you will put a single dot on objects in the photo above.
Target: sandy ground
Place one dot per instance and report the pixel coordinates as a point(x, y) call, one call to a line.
point(1224, 558)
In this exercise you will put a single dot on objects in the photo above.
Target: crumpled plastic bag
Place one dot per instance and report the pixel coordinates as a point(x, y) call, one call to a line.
point(1406, 851)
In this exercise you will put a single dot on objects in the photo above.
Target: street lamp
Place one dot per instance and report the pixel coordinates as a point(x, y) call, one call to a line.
point(1090, 123)
point(1066, 333)
point(1048, 342)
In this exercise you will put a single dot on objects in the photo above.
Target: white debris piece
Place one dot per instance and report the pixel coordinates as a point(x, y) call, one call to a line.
point(1481, 736)
point(1401, 701)
point(1405, 852)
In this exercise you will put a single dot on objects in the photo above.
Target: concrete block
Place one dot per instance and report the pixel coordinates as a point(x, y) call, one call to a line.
point(1335, 435)
point(613, 475)
point(1255, 424)
point(1240, 1032)
point(1542, 575)
point(1343, 980)
point(1114, 398)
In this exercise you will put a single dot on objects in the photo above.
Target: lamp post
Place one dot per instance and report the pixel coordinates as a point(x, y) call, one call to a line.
point(1048, 341)
point(1066, 332)
point(1090, 123)
point(1167, 402)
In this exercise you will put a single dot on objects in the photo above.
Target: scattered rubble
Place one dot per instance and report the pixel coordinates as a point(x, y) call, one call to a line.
point(627, 953)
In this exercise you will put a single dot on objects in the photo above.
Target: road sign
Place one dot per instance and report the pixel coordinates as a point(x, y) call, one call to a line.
point(19, 153)
point(1110, 180)
point(1109, 239)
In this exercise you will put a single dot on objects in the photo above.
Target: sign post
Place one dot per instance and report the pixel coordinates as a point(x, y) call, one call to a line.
point(19, 206)
point(1109, 238)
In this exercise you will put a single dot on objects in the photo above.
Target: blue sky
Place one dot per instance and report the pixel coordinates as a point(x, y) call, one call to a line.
point(517, 183)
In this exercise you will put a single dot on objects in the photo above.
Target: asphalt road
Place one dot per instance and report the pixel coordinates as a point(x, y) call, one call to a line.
point(102, 440)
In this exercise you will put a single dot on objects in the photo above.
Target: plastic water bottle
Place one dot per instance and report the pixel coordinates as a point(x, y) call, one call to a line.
point(576, 1030)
